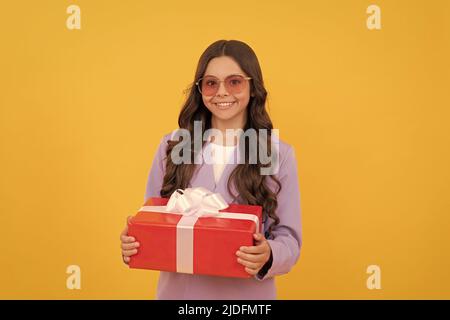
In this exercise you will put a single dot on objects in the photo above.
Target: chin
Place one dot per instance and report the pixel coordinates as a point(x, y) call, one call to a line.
point(224, 116)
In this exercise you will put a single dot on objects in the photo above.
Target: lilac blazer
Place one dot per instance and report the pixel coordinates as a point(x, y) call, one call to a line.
point(285, 244)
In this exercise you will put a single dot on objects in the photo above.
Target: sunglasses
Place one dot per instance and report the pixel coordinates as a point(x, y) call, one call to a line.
point(234, 84)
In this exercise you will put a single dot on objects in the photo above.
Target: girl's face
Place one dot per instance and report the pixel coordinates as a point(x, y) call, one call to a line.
point(226, 105)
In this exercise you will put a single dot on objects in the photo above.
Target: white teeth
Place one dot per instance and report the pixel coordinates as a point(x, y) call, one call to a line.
point(224, 104)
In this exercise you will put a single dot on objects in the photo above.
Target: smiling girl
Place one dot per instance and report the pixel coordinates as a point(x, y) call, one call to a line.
point(228, 93)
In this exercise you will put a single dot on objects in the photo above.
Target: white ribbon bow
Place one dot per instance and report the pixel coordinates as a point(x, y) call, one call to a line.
point(196, 201)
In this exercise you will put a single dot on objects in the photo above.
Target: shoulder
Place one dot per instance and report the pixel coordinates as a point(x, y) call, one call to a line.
point(172, 135)
point(285, 149)
point(163, 143)
point(166, 138)
point(162, 147)
point(286, 156)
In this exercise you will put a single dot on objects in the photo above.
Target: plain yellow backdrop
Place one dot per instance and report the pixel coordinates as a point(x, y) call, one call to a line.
point(367, 111)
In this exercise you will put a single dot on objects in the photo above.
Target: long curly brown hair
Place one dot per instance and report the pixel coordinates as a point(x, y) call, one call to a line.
point(252, 187)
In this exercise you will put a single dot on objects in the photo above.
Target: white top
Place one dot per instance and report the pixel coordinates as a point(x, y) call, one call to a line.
point(220, 156)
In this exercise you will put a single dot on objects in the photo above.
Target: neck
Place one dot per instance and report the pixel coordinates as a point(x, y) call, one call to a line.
point(223, 125)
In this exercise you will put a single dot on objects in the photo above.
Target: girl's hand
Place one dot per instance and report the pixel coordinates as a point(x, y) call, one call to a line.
point(129, 244)
point(254, 257)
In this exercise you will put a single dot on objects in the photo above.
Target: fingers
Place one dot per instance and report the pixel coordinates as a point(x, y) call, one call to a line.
point(251, 265)
point(129, 253)
point(251, 271)
point(130, 246)
point(252, 261)
point(254, 257)
point(258, 249)
point(259, 257)
point(127, 239)
point(261, 245)
point(253, 249)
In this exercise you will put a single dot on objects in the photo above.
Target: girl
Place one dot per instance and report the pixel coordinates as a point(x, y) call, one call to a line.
point(229, 94)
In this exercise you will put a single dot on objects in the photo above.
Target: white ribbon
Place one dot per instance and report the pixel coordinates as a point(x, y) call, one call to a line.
point(196, 201)
point(193, 203)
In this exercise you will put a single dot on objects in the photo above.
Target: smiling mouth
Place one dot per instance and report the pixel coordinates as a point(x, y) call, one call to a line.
point(224, 105)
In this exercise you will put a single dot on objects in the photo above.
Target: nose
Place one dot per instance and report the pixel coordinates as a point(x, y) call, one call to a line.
point(222, 91)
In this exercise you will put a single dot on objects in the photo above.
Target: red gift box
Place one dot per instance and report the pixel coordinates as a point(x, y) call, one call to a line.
point(215, 240)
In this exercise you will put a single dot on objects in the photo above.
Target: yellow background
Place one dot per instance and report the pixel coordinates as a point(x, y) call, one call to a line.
point(82, 113)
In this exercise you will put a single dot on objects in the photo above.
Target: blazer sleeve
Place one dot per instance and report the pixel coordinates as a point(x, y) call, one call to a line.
point(157, 171)
point(287, 235)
